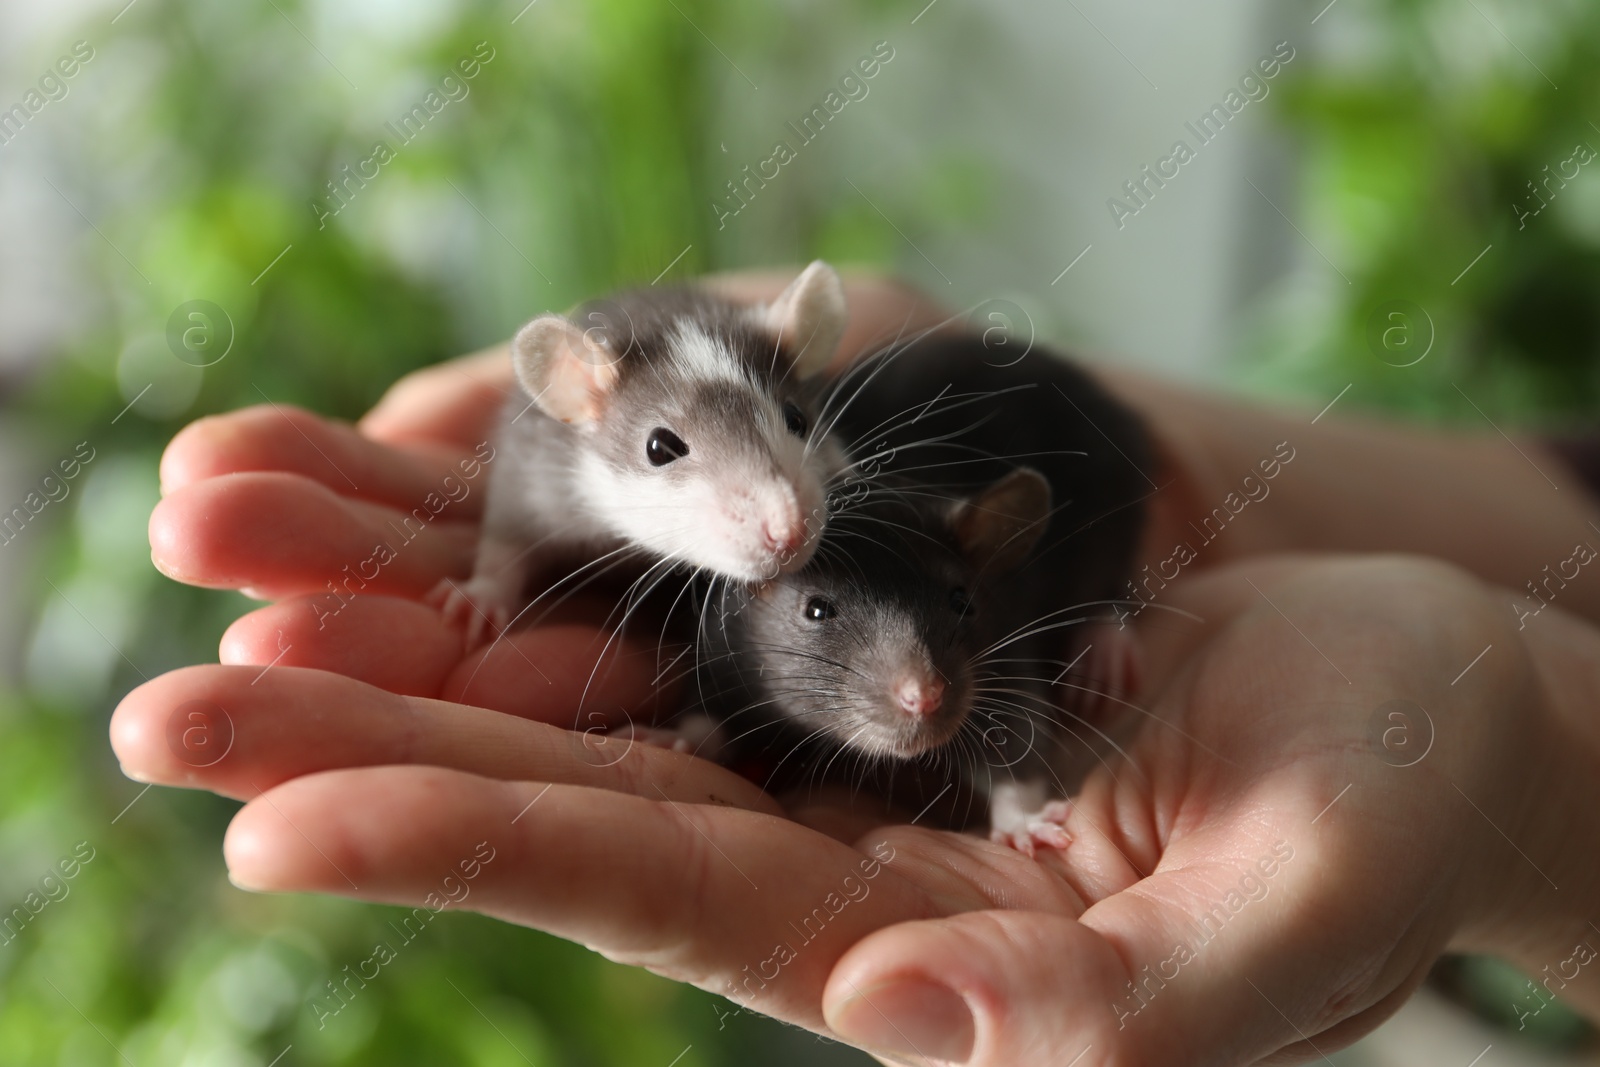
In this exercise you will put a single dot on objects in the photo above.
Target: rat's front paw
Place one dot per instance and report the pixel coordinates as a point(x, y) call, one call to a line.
point(1022, 815)
point(653, 736)
point(694, 734)
point(481, 605)
point(1026, 831)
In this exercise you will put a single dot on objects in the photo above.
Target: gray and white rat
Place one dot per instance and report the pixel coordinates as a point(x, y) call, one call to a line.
point(958, 613)
point(662, 423)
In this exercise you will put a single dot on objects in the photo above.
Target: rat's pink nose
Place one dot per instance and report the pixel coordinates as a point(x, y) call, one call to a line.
point(919, 697)
point(784, 536)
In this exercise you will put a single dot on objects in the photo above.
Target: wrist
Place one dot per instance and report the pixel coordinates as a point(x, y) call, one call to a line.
point(1541, 908)
point(1218, 472)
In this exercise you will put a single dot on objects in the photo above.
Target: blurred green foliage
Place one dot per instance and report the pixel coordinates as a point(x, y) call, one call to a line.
point(577, 162)
point(1425, 137)
point(570, 167)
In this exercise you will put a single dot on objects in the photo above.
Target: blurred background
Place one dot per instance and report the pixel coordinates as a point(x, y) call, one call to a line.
point(195, 215)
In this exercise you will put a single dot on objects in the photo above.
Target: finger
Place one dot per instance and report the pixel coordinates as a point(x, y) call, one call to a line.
point(276, 437)
point(398, 645)
point(571, 672)
point(701, 893)
point(237, 731)
point(454, 403)
point(283, 535)
point(1204, 961)
point(986, 988)
point(566, 670)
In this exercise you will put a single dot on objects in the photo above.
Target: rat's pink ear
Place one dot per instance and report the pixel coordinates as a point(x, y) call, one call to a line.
point(568, 374)
point(999, 527)
point(809, 317)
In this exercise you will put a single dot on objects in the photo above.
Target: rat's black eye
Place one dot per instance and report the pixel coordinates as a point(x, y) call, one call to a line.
point(960, 603)
point(664, 446)
point(795, 419)
point(819, 608)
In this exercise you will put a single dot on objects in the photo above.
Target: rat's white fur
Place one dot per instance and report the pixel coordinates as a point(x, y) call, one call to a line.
point(704, 358)
point(570, 483)
point(717, 518)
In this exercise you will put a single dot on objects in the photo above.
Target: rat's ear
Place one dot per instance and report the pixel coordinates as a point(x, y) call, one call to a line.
point(568, 374)
point(809, 316)
point(999, 527)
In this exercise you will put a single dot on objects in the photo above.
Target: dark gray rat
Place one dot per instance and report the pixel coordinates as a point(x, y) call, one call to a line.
point(950, 443)
point(878, 647)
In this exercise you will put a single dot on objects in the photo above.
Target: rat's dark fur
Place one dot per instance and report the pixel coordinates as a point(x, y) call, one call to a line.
point(928, 425)
point(953, 415)
point(901, 596)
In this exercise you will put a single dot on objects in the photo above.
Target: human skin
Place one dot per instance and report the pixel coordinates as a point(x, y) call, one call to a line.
point(1408, 861)
point(1253, 743)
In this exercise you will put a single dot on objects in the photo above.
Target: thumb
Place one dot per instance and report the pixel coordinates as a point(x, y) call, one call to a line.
point(985, 988)
point(1155, 976)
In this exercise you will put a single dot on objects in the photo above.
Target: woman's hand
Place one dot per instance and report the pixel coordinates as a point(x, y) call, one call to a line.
point(346, 528)
point(1271, 868)
point(1270, 743)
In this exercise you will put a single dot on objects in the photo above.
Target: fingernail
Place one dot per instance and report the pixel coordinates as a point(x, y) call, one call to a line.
point(242, 855)
point(907, 1017)
point(241, 883)
point(133, 775)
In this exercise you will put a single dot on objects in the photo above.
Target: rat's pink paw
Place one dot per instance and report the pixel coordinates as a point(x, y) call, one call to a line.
point(1028, 831)
point(694, 734)
point(650, 735)
point(480, 605)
